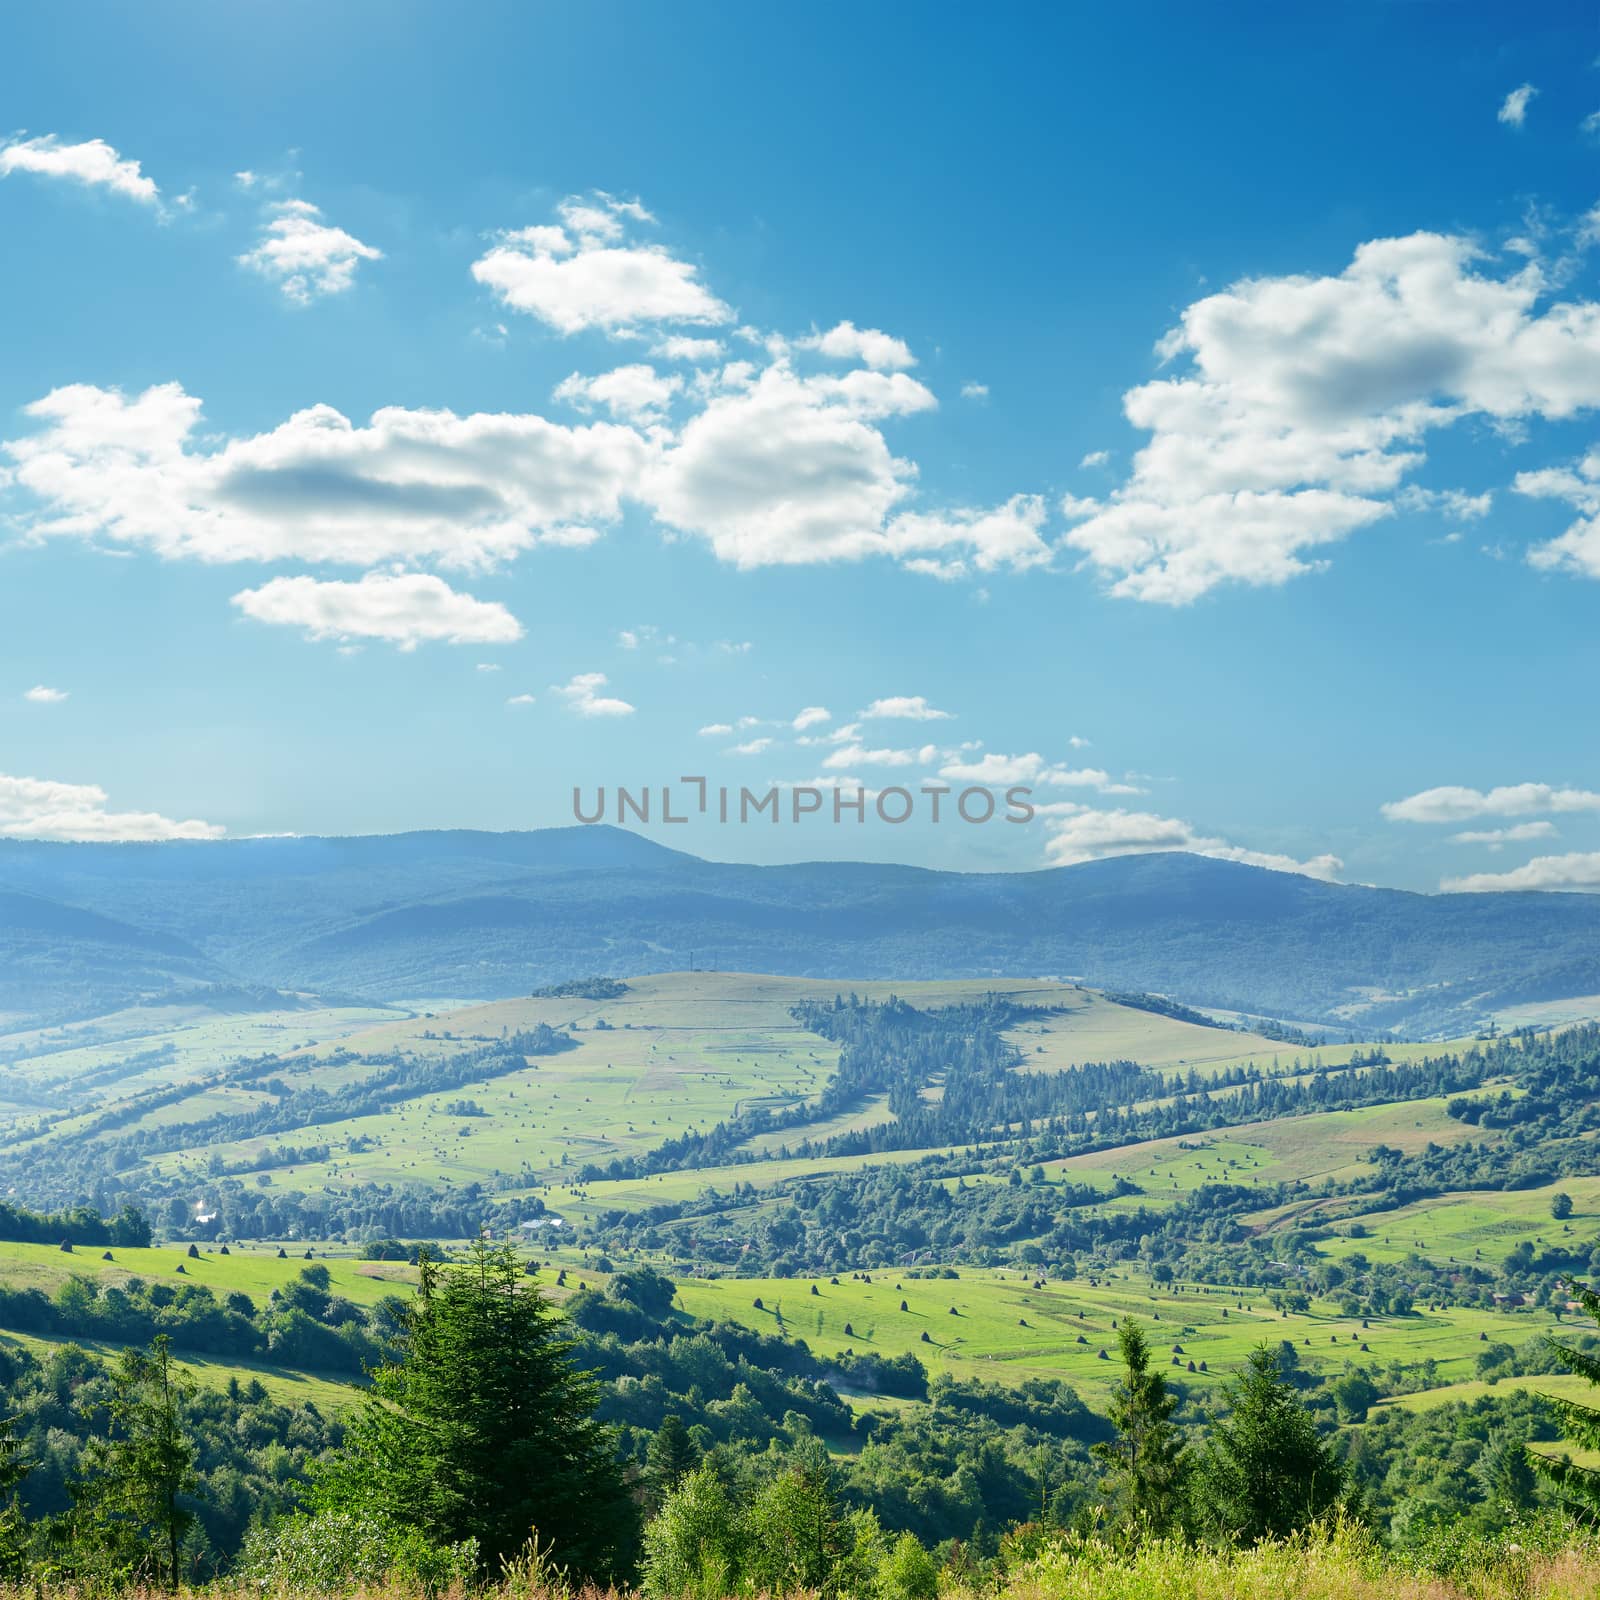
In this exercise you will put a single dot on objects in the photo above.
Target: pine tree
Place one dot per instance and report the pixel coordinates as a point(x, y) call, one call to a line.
point(1266, 1471)
point(128, 1515)
point(1146, 1459)
point(1578, 1486)
point(484, 1430)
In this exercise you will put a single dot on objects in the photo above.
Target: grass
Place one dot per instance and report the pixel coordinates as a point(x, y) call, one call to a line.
point(250, 1269)
point(999, 1326)
point(285, 1386)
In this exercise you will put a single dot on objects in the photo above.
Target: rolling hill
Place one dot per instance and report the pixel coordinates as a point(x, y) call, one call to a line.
point(86, 927)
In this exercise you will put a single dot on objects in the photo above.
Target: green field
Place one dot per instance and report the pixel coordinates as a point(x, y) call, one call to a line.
point(1000, 1326)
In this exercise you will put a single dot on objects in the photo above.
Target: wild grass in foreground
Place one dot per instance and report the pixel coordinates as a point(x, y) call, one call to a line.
point(1552, 1560)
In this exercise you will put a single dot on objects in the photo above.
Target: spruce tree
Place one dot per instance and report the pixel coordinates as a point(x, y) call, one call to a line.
point(484, 1430)
point(1266, 1471)
point(14, 1467)
point(1146, 1459)
point(672, 1456)
point(1578, 1486)
point(128, 1517)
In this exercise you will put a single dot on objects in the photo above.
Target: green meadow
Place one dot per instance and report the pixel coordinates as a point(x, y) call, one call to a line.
point(1005, 1327)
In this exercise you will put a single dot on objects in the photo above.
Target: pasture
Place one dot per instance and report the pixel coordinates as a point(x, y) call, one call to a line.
point(1004, 1327)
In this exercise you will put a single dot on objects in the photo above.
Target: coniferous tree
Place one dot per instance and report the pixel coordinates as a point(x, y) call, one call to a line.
point(1146, 1459)
point(484, 1430)
point(671, 1457)
point(1266, 1471)
point(128, 1516)
point(14, 1467)
point(1579, 1486)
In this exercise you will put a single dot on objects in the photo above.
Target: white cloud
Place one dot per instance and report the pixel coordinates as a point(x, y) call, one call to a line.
point(1096, 458)
point(780, 474)
point(683, 347)
point(716, 730)
point(1306, 402)
point(752, 747)
point(1514, 108)
point(35, 808)
point(488, 666)
point(974, 391)
point(1088, 835)
point(93, 163)
point(585, 274)
point(847, 342)
point(1577, 871)
point(1006, 536)
point(304, 256)
point(522, 700)
point(1496, 837)
point(637, 393)
point(403, 609)
point(1455, 503)
point(1453, 803)
point(810, 717)
point(42, 695)
point(1578, 549)
point(911, 708)
point(581, 692)
point(411, 485)
point(851, 755)
point(1075, 742)
point(995, 769)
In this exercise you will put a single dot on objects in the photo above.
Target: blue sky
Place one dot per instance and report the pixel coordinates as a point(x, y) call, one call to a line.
point(413, 412)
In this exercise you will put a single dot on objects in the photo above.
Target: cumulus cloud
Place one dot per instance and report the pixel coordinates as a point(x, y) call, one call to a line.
point(1454, 803)
point(716, 730)
point(1579, 870)
point(410, 485)
point(1578, 549)
point(585, 273)
point(995, 769)
point(809, 717)
point(1514, 108)
point(1306, 401)
point(1497, 837)
point(304, 256)
point(93, 163)
point(36, 808)
point(1089, 835)
point(685, 347)
point(752, 747)
point(43, 695)
point(637, 393)
point(582, 694)
point(910, 707)
point(847, 342)
point(522, 700)
point(403, 609)
point(974, 391)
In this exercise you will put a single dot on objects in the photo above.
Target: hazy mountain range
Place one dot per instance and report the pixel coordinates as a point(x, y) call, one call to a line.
point(85, 928)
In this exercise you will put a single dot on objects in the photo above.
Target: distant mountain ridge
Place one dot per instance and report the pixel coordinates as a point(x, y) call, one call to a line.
point(85, 927)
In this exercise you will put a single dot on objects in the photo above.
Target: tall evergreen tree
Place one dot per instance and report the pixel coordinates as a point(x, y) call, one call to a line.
point(1146, 1460)
point(14, 1467)
point(484, 1430)
point(128, 1516)
point(1266, 1471)
point(1579, 1486)
point(671, 1457)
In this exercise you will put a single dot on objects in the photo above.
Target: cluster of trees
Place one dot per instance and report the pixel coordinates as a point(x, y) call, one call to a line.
point(304, 1325)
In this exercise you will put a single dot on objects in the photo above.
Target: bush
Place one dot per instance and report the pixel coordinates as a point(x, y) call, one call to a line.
point(336, 1551)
